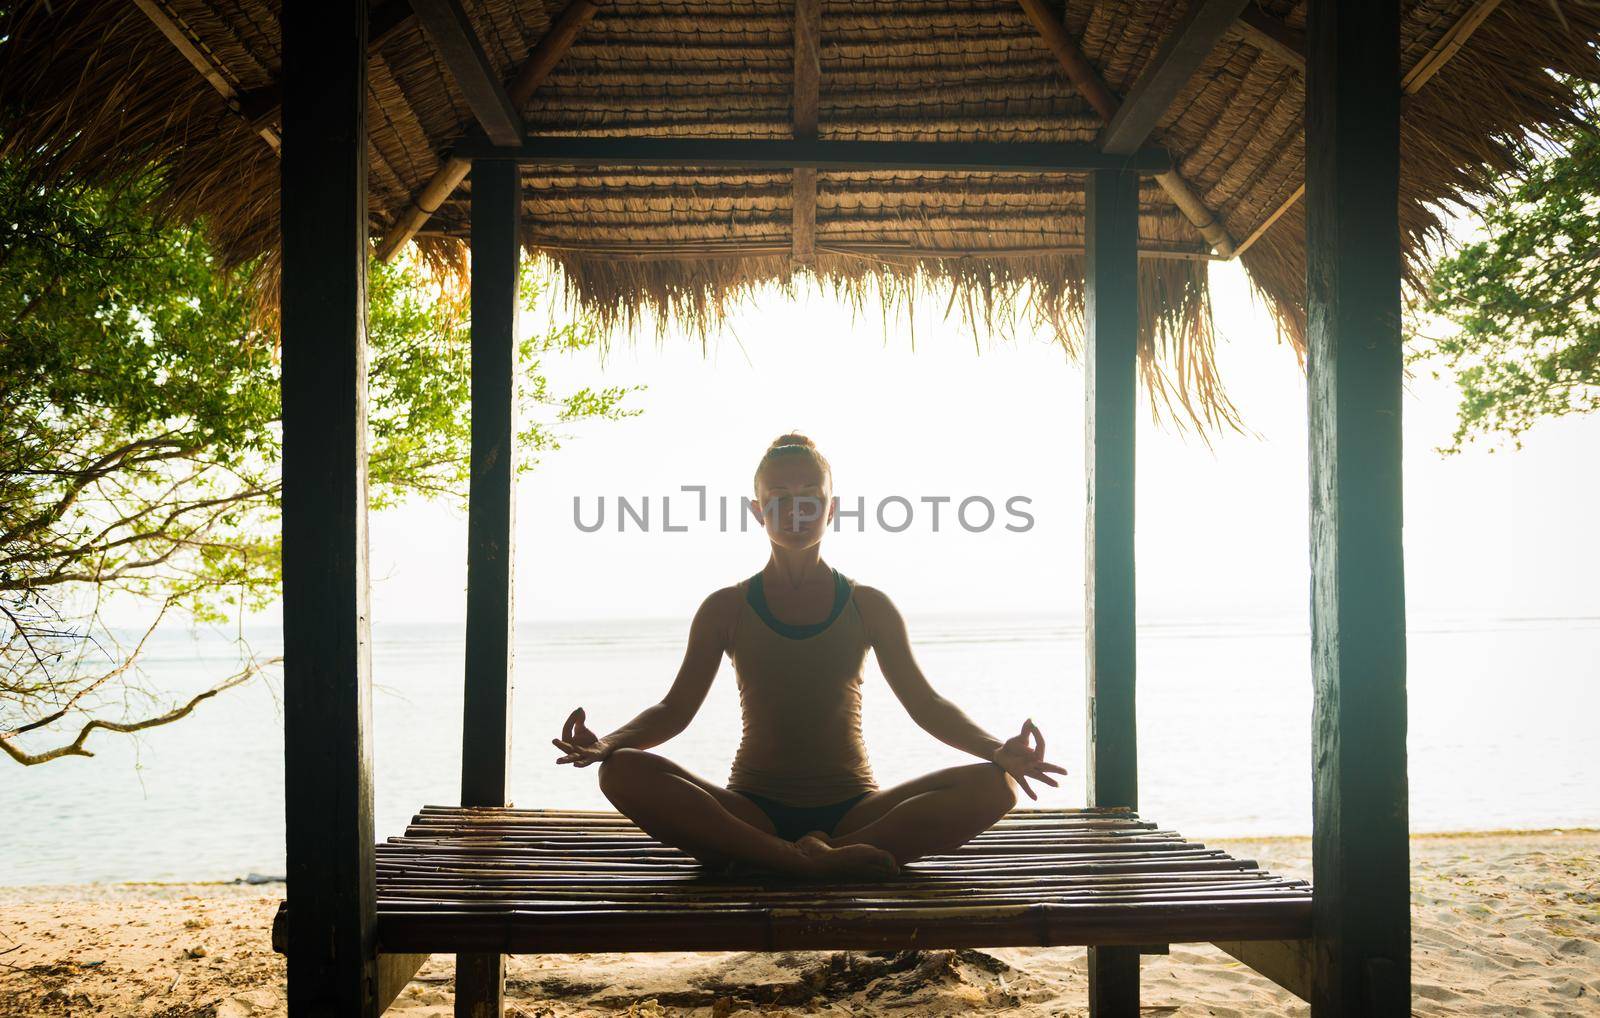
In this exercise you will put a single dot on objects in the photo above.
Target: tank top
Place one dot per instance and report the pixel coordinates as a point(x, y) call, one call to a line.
point(800, 700)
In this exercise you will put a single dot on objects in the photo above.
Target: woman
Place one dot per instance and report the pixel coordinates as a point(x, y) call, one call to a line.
point(801, 799)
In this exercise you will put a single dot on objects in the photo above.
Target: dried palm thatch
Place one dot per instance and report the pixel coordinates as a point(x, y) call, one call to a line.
point(93, 88)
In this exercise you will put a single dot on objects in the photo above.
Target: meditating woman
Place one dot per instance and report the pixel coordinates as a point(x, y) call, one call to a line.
point(802, 799)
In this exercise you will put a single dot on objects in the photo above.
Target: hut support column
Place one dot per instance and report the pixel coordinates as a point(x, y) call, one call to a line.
point(326, 677)
point(1110, 368)
point(1361, 947)
point(486, 721)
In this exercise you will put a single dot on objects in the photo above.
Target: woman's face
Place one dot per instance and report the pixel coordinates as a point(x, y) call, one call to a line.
point(794, 501)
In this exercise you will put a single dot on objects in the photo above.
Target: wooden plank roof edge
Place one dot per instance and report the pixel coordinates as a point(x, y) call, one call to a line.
point(671, 251)
point(820, 154)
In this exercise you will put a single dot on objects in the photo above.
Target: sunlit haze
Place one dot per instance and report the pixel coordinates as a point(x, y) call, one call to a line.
point(1222, 530)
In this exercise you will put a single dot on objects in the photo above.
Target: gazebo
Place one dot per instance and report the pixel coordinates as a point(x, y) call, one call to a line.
point(1082, 162)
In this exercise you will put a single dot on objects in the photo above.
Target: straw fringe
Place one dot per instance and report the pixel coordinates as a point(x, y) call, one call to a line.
point(1478, 119)
point(987, 295)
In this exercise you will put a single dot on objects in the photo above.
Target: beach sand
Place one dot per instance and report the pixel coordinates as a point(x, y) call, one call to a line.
point(1503, 924)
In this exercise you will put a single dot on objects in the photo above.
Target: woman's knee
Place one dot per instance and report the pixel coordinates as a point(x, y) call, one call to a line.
point(621, 771)
point(997, 788)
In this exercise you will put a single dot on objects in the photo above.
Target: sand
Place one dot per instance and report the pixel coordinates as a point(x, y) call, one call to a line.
point(1504, 924)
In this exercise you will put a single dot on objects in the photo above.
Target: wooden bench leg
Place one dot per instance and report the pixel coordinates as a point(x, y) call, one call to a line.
point(1113, 982)
point(480, 985)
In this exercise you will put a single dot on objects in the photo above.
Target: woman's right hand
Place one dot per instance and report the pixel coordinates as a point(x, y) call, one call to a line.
point(581, 746)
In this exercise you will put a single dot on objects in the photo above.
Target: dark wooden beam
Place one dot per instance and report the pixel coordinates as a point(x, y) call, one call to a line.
point(480, 985)
point(1181, 53)
point(1285, 962)
point(1110, 358)
point(779, 153)
point(1111, 312)
point(1432, 62)
point(486, 708)
point(387, 19)
point(642, 251)
point(1047, 20)
point(496, 247)
point(452, 34)
point(395, 971)
point(1114, 982)
point(263, 106)
point(803, 230)
point(564, 30)
point(1361, 949)
point(807, 99)
point(327, 681)
point(1272, 37)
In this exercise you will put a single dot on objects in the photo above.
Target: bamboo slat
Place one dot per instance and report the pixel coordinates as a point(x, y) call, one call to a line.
point(185, 41)
point(510, 880)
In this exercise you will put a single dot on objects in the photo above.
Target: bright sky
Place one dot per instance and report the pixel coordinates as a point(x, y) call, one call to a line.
point(1221, 531)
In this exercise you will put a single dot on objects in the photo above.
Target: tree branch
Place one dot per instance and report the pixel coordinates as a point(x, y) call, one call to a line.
point(76, 746)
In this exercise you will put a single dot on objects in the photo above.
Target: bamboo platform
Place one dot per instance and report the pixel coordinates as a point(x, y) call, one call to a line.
point(517, 881)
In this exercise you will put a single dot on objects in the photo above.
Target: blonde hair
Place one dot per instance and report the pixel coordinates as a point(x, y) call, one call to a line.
point(793, 444)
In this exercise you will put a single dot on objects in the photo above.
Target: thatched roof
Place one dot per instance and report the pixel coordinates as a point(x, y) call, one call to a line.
point(94, 87)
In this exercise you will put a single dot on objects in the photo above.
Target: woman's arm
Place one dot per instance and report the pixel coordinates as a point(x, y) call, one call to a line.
point(886, 632)
point(708, 640)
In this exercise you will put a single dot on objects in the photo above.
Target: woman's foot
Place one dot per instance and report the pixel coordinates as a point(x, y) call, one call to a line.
point(850, 862)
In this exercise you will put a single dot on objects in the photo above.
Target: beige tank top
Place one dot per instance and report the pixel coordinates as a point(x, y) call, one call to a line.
point(800, 698)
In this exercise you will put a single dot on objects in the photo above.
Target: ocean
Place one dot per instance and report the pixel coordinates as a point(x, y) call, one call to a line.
point(1502, 732)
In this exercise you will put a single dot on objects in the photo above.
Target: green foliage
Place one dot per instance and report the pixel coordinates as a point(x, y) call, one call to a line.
point(419, 388)
point(138, 401)
point(1525, 301)
point(140, 437)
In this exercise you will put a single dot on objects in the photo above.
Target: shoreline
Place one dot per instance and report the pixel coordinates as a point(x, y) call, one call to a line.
point(1502, 923)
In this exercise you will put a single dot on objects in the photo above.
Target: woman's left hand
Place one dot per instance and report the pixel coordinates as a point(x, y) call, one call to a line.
point(1022, 757)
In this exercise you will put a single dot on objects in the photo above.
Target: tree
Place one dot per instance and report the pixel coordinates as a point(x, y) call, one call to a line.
point(139, 462)
point(1525, 301)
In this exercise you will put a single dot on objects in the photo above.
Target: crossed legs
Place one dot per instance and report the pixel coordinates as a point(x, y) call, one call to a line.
point(935, 813)
point(931, 815)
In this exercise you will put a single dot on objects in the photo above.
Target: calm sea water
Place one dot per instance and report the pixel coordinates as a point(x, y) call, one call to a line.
point(1503, 733)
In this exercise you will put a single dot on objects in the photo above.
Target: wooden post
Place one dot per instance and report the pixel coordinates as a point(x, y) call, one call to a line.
point(807, 90)
point(327, 677)
point(1111, 312)
point(1361, 929)
point(486, 721)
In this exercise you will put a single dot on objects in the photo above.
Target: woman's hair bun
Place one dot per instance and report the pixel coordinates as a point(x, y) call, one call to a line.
point(793, 444)
point(792, 438)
